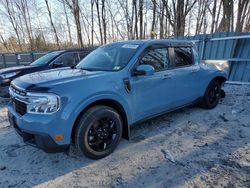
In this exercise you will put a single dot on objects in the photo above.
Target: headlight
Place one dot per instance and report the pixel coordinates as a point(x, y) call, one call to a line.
point(42, 103)
point(9, 75)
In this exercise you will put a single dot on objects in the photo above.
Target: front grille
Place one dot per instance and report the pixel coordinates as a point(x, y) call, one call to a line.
point(17, 90)
point(17, 94)
point(19, 106)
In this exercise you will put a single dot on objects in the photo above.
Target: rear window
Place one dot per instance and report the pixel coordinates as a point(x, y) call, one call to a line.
point(183, 56)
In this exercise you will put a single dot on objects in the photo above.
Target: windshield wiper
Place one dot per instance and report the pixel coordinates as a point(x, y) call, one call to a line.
point(87, 69)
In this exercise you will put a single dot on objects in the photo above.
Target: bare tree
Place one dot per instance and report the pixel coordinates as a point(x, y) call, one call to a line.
point(226, 23)
point(67, 21)
point(180, 22)
point(99, 19)
point(104, 24)
point(213, 14)
point(4, 42)
point(141, 17)
point(153, 20)
point(128, 18)
point(136, 19)
point(11, 15)
point(241, 15)
point(52, 24)
point(75, 9)
point(22, 6)
point(247, 25)
point(162, 16)
point(202, 8)
point(92, 22)
point(114, 21)
point(102, 21)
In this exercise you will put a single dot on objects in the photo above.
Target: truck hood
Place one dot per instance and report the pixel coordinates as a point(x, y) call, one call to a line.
point(18, 69)
point(42, 81)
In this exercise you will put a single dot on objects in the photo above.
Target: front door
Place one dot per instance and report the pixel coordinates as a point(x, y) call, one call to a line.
point(153, 94)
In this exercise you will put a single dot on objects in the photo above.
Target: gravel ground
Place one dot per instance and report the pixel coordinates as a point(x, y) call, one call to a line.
point(192, 147)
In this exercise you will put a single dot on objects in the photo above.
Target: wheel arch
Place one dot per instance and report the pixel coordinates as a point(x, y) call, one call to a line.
point(220, 79)
point(110, 103)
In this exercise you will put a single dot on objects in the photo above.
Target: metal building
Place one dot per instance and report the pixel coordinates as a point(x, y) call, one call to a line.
point(231, 46)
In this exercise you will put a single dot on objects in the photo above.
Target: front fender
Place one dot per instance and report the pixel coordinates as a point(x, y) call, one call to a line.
point(80, 106)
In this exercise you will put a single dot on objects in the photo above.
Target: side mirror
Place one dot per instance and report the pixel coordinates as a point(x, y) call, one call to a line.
point(57, 64)
point(144, 70)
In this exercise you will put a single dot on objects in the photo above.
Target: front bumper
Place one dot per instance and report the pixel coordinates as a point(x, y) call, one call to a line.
point(4, 91)
point(36, 139)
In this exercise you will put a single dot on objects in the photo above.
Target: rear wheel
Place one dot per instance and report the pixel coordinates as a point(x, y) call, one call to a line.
point(212, 95)
point(98, 132)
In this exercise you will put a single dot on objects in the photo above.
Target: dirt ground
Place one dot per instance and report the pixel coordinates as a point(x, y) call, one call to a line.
point(192, 147)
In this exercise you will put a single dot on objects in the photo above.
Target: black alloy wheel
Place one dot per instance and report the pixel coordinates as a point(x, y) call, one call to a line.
point(98, 132)
point(101, 134)
point(212, 95)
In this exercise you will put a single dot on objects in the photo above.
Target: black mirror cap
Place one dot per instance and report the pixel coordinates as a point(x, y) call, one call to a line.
point(144, 70)
point(58, 64)
point(138, 73)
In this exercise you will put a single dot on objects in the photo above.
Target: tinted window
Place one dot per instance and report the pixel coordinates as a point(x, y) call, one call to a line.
point(78, 57)
point(158, 58)
point(46, 58)
point(82, 55)
point(109, 57)
point(183, 56)
point(68, 59)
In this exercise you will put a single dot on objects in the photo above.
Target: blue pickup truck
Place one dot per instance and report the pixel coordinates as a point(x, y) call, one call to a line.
point(94, 104)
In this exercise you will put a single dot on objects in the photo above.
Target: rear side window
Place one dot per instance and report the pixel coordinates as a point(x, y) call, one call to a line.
point(83, 55)
point(67, 59)
point(183, 56)
point(158, 58)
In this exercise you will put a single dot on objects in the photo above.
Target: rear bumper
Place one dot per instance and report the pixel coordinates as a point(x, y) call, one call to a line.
point(36, 139)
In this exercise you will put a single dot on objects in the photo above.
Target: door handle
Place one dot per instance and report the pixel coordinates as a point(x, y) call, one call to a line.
point(166, 76)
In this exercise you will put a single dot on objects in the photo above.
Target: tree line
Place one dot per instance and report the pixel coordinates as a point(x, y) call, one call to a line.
point(55, 24)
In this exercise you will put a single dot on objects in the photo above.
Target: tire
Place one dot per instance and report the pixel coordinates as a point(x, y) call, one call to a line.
point(98, 132)
point(212, 95)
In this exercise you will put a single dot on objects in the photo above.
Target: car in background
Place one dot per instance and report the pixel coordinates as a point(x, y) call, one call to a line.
point(54, 59)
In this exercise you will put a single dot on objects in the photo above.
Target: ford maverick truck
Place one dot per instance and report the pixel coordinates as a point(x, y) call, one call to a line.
point(94, 104)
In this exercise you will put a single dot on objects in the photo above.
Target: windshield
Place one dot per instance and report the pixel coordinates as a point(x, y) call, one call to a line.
point(45, 59)
point(112, 57)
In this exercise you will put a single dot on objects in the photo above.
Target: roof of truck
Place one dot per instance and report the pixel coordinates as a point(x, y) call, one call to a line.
point(158, 41)
point(72, 50)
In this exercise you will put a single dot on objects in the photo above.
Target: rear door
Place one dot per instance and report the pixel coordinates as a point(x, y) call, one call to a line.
point(184, 73)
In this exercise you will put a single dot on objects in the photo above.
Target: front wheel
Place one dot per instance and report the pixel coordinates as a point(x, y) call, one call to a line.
point(212, 95)
point(98, 132)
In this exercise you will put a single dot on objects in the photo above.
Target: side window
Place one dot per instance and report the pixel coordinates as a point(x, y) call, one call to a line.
point(183, 56)
point(77, 57)
point(68, 59)
point(83, 54)
point(158, 58)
